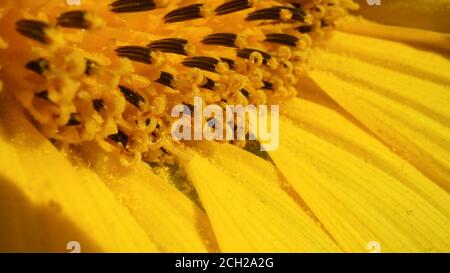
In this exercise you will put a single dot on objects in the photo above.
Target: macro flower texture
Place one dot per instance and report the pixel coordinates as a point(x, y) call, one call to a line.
point(87, 154)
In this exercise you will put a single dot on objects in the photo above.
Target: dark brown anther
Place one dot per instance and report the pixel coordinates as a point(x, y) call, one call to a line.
point(132, 5)
point(203, 63)
point(246, 52)
point(131, 96)
point(91, 67)
point(230, 62)
point(170, 45)
point(232, 6)
point(135, 53)
point(282, 39)
point(210, 84)
point(165, 79)
point(39, 66)
point(74, 120)
point(120, 137)
point(267, 85)
point(184, 14)
point(305, 29)
point(73, 19)
point(98, 104)
point(245, 93)
point(42, 95)
point(33, 29)
point(275, 13)
point(222, 39)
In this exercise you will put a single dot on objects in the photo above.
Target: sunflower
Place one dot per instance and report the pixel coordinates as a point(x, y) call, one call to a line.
point(87, 156)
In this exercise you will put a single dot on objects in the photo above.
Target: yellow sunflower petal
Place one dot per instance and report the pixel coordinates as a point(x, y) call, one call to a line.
point(173, 221)
point(426, 38)
point(248, 209)
point(336, 129)
point(403, 100)
point(46, 203)
point(426, 14)
point(357, 201)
